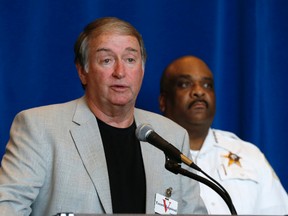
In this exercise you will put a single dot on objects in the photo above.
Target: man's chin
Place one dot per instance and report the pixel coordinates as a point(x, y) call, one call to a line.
point(123, 102)
point(197, 114)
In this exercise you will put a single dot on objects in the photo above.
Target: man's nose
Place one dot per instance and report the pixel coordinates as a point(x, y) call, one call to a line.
point(197, 91)
point(119, 70)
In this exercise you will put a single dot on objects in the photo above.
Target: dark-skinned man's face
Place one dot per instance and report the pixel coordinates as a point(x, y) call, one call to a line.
point(189, 97)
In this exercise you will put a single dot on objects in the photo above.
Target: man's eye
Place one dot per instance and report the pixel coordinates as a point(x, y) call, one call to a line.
point(184, 84)
point(208, 85)
point(130, 60)
point(106, 61)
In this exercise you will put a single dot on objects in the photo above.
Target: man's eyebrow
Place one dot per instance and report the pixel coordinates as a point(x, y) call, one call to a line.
point(131, 49)
point(208, 78)
point(189, 77)
point(103, 50)
point(186, 76)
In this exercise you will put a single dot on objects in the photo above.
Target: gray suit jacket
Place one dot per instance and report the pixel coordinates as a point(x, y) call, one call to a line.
point(55, 162)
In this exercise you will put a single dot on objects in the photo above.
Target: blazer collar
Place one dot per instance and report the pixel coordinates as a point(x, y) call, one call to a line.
point(88, 141)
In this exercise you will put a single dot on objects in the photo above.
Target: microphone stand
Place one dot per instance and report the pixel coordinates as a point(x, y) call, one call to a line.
point(174, 167)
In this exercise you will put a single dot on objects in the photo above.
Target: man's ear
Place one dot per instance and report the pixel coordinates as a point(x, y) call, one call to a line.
point(82, 74)
point(162, 102)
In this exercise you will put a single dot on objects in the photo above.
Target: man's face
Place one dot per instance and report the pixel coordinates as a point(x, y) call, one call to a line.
point(115, 70)
point(190, 98)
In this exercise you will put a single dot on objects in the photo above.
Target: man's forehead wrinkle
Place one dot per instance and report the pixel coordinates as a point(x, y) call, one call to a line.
point(104, 49)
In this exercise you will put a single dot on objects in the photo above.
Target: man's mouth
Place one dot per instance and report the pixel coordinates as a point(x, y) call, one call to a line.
point(198, 104)
point(119, 88)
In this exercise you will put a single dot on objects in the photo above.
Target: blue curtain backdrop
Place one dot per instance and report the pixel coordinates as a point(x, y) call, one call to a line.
point(243, 41)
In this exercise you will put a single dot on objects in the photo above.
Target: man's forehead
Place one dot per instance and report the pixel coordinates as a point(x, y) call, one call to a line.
point(111, 38)
point(114, 45)
point(191, 66)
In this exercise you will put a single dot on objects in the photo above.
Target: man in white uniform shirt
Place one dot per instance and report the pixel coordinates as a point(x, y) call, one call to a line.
point(187, 97)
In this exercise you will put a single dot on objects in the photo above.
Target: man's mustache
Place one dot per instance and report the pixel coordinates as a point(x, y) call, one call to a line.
point(197, 101)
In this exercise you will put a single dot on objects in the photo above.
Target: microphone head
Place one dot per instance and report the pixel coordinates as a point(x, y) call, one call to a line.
point(143, 131)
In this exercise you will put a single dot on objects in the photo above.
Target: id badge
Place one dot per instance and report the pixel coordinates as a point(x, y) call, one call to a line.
point(164, 205)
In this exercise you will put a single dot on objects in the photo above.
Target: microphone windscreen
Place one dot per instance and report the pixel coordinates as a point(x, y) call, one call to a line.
point(142, 132)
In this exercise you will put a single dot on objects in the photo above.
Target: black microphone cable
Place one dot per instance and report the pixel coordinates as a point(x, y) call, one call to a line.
point(175, 167)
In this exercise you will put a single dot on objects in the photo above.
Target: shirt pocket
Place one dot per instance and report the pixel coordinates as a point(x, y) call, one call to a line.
point(235, 171)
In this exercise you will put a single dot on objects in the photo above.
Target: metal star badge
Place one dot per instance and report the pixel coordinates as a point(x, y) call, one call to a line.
point(233, 159)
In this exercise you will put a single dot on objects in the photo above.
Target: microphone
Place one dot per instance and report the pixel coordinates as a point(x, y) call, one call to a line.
point(145, 132)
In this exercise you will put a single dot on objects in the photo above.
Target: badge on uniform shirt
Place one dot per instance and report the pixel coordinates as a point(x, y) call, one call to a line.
point(165, 205)
point(233, 159)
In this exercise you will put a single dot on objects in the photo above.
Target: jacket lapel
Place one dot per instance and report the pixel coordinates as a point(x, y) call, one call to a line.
point(89, 144)
point(151, 158)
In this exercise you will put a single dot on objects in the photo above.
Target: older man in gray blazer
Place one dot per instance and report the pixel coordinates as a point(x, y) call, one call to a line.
point(55, 162)
point(83, 156)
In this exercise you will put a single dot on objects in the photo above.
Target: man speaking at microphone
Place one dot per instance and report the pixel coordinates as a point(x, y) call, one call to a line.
point(83, 156)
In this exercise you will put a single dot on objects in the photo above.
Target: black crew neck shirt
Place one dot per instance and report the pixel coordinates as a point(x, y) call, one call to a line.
point(125, 168)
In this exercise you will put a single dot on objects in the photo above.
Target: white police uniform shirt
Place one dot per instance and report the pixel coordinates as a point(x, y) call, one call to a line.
point(247, 176)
